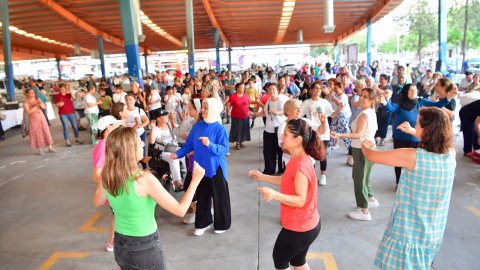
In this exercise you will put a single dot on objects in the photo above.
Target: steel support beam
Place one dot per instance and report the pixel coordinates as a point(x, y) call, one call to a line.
point(101, 55)
point(59, 69)
point(369, 42)
point(213, 20)
point(131, 40)
point(217, 49)
point(69, 16)
point(146, 63)
point(7, 51)
point(190, 37)
point(229, 59)
point(442, 37)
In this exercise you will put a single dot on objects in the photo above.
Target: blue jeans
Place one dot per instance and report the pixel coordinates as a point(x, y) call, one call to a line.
point(138, 252)
point(73, 121)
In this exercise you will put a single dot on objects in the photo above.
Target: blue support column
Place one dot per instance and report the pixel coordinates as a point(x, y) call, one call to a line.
point(59, 69)
point(217, 49)
point(369, 42)
point(7, 52)
point(442, 37)
point(101, 55)
point(229, 58)
point(190, 37)
point(131, 39)
point(337, 54)
point(146, 63)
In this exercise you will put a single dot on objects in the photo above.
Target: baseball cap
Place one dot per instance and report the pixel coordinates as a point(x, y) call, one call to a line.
point(105, 121)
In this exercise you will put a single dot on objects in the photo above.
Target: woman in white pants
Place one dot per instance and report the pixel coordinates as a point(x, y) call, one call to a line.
point(161, 136)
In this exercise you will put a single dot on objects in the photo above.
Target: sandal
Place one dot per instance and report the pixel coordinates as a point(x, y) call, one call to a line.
point(237, 146)
point(242, 145)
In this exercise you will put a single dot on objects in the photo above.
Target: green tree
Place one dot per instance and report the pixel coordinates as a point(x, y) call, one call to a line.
point(317, 51)
point(388, 46)
point(423, 27)
point(360, 38)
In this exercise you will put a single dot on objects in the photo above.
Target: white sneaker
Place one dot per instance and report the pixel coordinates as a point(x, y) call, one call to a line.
point(219, 231)
point(323, 180)
point(359, 215)
point(373, 204)
point(200, 232)
point(189, 218)
point(109, 248)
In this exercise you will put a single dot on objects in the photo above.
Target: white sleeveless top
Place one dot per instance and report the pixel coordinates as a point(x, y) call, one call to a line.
point(369, 133)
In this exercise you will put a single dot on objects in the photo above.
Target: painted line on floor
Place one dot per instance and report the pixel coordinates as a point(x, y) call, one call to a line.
point(11, 180)
point(471, 184)
point(18, 161)
point(2, 167)
point(326, 257)
point(89, 226)
point(474, 210)
point(56, 256)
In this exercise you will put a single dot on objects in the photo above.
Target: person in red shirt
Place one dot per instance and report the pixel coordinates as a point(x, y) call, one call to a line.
point(237, 108)
point(297, 196)
point(63, 101)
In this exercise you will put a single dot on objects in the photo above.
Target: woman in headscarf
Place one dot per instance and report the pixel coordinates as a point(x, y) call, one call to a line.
point(209, 142)
point(406, 110)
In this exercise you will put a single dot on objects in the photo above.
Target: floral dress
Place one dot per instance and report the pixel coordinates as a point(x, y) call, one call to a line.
point(38, 127)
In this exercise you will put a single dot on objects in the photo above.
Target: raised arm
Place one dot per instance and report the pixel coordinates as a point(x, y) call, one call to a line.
point(402, 157)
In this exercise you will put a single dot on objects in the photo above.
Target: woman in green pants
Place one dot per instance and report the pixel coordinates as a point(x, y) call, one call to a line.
point(364, 127)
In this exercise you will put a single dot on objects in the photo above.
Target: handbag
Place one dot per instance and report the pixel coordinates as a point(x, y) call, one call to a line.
point(173, 146)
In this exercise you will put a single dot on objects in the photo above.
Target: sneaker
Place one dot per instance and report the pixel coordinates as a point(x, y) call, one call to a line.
point(189, 218)
point(200, 232)
point(359, 215)
point(219, 231)
point(382, 142)
point(109, 247)
point(323, 180)
point(373, 204)
point(68, 143)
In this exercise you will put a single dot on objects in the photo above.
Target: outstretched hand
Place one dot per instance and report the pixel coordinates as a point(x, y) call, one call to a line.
point(267, 193)
point(198, 172)
point(255, 174)
point(406, 128)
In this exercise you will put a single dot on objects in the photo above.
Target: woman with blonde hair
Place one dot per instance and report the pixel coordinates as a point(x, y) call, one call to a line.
point(133, 195)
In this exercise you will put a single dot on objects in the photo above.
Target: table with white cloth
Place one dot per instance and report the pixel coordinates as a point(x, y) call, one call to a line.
point(14, 117)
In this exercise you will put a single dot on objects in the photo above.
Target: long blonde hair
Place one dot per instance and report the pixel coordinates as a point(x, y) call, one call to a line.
point(120, 160)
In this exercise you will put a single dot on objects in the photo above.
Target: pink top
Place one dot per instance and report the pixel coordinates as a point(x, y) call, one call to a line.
point(98, 155)
point(239, 106)
point(307, 217)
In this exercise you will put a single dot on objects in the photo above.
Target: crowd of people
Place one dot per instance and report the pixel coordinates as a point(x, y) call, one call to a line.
point(305, 116)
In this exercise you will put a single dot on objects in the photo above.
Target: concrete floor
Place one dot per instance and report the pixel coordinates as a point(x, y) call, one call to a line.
point(48, 220)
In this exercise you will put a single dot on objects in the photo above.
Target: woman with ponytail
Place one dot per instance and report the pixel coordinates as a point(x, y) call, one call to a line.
point(298, 195)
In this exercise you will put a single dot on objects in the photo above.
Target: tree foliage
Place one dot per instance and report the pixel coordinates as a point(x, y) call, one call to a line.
point(455, 22)
point(317, 51)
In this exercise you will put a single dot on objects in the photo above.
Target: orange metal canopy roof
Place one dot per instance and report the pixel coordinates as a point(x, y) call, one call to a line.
point(241, 23)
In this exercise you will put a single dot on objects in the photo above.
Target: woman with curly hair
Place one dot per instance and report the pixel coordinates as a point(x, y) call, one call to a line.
point(414, 233)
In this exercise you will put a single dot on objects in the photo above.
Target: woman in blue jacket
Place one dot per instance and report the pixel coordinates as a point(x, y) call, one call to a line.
point(406, 110)
point(209, 142)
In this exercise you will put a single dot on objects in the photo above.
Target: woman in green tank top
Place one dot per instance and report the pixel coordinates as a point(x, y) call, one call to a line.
point(133, 195)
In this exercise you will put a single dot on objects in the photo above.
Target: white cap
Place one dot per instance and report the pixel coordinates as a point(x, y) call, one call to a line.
point(105, 121)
